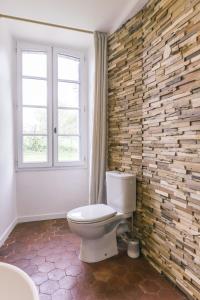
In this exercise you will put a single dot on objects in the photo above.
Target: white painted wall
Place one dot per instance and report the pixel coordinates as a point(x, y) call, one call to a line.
point(50, 194)
point(8, 211)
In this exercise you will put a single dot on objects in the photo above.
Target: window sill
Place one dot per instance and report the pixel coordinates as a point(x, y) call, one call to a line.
point(50, 169)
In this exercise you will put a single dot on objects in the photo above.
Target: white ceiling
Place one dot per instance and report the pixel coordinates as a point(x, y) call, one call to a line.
point(101, 15)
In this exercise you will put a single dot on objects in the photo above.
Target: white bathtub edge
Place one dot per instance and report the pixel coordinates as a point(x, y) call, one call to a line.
point(25, 277)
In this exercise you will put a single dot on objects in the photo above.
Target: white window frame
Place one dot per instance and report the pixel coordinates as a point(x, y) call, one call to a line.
point(80, 56)
point(52, 100)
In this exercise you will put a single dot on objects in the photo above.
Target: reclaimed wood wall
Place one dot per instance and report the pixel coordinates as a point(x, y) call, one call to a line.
point(154, 131)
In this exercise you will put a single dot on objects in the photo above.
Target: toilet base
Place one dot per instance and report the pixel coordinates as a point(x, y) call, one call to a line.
point(100, 249)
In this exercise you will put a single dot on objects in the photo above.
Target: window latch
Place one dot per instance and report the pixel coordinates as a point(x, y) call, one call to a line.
point(55, 130)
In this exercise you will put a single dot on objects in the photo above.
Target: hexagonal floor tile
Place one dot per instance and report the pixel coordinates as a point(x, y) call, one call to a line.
point(49, 287)
point(62, 294)
point(46, 267)
point(170, 293)
point(30, 270)
point(62, 264)
point(56, 274)
point(39, 278)
point(67, 282)
point(45, 297)
point(73, 270)
point(45, 252)
point(37, 260)
point(151, 297)
point(149, 286)
point(53, 257)
point(22, 263)
point(30, 254)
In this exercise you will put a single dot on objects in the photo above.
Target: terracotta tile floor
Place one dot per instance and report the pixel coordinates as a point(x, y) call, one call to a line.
point(48, 252)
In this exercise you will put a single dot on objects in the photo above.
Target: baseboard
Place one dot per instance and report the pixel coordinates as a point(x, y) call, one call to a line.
point(41, 217)
point(30, 218)
point(8, 230)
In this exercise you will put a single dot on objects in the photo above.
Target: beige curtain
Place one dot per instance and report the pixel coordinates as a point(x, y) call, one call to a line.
point(98, 157)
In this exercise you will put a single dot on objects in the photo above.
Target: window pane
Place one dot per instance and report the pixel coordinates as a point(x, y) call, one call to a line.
point(34, 64)
point(34, 120)
point(68, 121)
point(34, 92)
point(68, 68)
point(68, 148)
point(34, 149)
point(68, 94)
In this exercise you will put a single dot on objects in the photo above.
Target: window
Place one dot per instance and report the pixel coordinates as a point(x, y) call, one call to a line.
point(51, 107)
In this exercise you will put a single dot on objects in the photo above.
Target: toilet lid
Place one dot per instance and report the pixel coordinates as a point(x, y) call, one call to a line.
point(91, 213)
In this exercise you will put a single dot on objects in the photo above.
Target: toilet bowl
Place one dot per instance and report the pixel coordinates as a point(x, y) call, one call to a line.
point(97, 224)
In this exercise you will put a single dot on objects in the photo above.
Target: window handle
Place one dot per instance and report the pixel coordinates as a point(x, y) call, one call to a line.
point(55, 130)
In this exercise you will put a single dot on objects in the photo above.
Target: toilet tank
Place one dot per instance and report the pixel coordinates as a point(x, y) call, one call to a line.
point(121, 191)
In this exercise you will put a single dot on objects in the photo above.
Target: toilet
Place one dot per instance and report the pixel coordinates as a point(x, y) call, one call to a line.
point(97, 224)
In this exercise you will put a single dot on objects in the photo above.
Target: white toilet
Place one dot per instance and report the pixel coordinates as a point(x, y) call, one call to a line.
point(97, 224)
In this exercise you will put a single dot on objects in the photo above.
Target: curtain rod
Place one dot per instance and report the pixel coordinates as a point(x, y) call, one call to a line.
point(45, 23)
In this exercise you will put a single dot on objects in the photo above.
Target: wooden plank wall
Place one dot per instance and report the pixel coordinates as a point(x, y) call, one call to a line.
point(125, 72)
point(154, 131)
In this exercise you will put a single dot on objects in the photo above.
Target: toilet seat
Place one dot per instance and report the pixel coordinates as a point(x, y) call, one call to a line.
point(91, 213)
